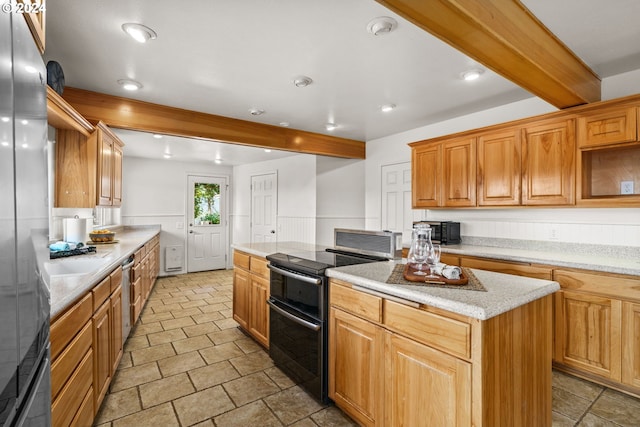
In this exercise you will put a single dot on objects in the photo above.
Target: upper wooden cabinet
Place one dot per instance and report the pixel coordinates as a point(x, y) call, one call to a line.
point(88, 170)
point(443, 173)
point(548, 159)
point(499, 166)
point(109, 167)
point(612, 126)
point(34, 12)
point(608, 157)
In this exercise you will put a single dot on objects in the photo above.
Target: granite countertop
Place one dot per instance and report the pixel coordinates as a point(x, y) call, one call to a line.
point(608, 259)
point(67, 288)
point(504, 291)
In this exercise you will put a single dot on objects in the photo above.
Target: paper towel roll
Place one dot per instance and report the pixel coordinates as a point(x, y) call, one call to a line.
point(75, 229)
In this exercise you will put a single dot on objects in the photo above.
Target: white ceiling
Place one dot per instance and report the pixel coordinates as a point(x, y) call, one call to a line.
point(225, 57)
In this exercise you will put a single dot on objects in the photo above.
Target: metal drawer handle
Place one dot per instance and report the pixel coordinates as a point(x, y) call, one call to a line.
point(293, 318)
point(306, 279)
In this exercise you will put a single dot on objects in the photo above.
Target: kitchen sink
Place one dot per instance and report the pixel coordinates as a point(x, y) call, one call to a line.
point(74, 266)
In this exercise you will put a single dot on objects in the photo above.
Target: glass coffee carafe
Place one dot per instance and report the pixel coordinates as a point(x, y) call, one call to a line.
point(421, 248)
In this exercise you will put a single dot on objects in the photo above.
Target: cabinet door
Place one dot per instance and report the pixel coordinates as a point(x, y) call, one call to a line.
point(117, 175)
point(241, 293)
point(101, 353)
point(425, 387)
point(631, 344)
point(588, 333)
point(499, 167)
point(116, 328)
point(601, 128)
point(36, 22)
point(75, 180)
point(426, 175)
point(105, 169)
point(548, 159)
point(459, 170)
point(355, 367)
point(259, 310)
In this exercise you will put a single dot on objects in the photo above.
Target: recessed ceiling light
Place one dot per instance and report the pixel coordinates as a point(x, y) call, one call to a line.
point(157, 136)
point(302, 81)
point(139, 32)
point(167, 155)
point(381, 25)
point(266, 150)
point(330, 126)
point(130, 84)
point(217, 161)
point(471, 75)
point(387, 107)
point(284, 124)
point(256, 112)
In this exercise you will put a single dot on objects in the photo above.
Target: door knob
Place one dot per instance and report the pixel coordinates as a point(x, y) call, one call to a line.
point(190, 231)
point(273, 231)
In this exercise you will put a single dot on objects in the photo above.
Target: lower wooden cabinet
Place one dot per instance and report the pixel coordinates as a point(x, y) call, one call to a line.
point(631, 344)
point(356, 359)
point(425, 386)
point(101, 352)
point(250, 294)
point(397, 364)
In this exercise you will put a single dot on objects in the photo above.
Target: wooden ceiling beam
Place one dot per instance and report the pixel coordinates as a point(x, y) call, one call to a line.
point(143, 116)
point(506, 37)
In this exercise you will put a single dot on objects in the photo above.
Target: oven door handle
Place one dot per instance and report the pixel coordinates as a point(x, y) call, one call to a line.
point(293, 318)
point(306, 279)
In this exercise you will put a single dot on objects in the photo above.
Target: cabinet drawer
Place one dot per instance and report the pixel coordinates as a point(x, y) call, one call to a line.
point(65, 327)
point(607, 284)
point(450, 335)
point(101, 292)
point(241, 259)
point(136, 272)
point(358, 303)
point(64, 365)
point(259, 267)
point(84, 417)
point(518, 269)
point(450, 259)
point(70, 399)
point(138, 255)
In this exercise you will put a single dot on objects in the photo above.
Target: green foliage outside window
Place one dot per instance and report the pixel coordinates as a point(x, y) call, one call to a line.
point(206, 202)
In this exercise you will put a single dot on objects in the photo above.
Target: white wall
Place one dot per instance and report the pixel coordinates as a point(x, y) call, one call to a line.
point(296, 214)
point(339, 196)
point(620, 226)
point(155, 192)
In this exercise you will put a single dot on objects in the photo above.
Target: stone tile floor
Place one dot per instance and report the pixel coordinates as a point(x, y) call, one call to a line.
point(187, 364)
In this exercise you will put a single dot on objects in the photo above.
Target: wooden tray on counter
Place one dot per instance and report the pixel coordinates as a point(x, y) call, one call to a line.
point(409, 274)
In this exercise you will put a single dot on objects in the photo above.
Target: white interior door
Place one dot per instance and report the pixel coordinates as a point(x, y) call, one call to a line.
point(397, 214)
point(264, 207)
point(207, 231)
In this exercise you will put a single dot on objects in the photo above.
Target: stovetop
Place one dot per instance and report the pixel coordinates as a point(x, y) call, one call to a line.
point(315, 262)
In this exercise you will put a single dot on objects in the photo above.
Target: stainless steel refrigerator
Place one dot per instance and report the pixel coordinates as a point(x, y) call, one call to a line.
point(25, 390)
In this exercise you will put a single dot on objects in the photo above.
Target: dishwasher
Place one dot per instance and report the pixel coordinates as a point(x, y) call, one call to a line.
point(126, 297)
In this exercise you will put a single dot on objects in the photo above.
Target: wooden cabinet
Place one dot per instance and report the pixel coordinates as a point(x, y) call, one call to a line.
point(425, 387)
point(444, 173)
point(499, 168)
point(101, 322)
point(597, 319)
point(548, 159)
point(426, 175)
point(403, 363)
point(631, 344)
point(109, 180)
point(88, 169)
point(608, 126)
point(34, 12)
point(508, 267)
point(143, 275)
point(588, 333)
point(250, 294)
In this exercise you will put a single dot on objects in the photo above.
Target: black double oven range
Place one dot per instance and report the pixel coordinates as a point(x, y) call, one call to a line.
point(298, 308)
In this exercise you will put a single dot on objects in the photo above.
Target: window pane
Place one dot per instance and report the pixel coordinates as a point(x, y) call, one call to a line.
point(206, 203)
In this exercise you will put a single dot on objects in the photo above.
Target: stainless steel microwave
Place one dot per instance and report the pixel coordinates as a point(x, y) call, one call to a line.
point(443, 232)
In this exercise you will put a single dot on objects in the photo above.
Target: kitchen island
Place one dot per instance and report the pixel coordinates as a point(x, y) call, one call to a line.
point(422, 355)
